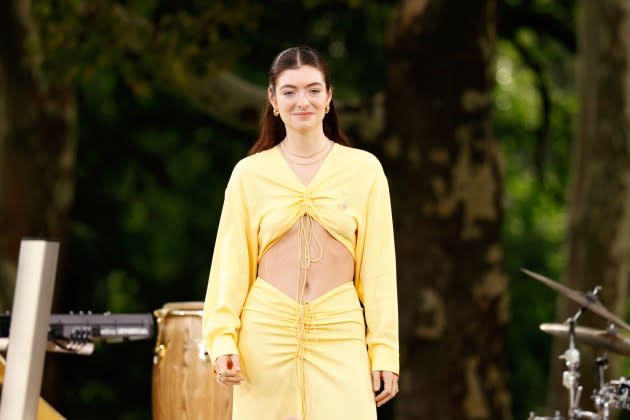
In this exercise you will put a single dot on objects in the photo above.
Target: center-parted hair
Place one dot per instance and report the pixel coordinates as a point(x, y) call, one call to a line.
point(272, 130)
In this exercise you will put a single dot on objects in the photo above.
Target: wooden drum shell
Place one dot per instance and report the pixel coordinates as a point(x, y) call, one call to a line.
point(183, 382)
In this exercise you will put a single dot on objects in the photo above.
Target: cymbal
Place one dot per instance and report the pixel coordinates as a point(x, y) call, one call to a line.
point(597, 338)
point(582, 299)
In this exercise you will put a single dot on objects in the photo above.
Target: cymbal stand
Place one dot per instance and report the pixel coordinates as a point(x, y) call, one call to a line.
point(571, 375)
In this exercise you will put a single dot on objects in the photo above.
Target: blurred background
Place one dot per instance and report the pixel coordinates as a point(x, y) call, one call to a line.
point(503, 127)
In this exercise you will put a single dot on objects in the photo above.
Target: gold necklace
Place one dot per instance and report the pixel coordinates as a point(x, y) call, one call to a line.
point(303, 156)
point(303, 163)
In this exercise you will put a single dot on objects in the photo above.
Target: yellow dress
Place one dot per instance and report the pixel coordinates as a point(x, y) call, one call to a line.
point(305, 360)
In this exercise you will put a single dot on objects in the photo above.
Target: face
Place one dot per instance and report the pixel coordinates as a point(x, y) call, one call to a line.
point(301, 97)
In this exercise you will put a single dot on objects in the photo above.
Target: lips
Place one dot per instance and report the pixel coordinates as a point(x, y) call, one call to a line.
point(303, 114)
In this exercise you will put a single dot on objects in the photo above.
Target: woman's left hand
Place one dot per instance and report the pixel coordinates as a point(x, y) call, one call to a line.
point(390, 386)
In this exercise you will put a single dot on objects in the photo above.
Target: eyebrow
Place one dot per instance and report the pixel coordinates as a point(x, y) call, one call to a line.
point(309, 85)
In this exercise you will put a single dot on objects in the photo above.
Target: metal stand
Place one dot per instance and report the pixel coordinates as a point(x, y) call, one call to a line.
point(570, 377)
point(32, 302)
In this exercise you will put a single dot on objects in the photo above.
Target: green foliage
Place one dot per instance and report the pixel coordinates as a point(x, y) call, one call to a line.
point(535, 222)
point(144, 42)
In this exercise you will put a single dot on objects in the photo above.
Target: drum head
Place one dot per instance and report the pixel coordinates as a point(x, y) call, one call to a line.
point(179, 308)
point(184, 306)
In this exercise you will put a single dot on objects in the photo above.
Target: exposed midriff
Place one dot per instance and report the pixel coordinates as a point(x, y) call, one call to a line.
point(327, 265)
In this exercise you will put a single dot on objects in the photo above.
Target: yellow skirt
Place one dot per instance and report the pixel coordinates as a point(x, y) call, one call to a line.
point(303, 361)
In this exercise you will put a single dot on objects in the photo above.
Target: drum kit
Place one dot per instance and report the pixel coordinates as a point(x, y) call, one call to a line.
point(609, 395)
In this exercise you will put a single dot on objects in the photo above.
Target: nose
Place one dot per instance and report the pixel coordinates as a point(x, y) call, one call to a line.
point(302, 100)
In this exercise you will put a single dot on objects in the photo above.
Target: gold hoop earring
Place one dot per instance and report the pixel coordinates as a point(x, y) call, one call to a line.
point(276, 112)
point(326, 109)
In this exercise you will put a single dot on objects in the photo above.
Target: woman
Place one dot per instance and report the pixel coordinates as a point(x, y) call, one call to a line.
point(301, 307)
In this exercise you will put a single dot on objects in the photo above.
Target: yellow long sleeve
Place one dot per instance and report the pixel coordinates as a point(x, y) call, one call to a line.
point(232, 271)
point(376, 280)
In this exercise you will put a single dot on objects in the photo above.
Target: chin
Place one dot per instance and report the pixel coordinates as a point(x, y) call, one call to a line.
point(305, 127)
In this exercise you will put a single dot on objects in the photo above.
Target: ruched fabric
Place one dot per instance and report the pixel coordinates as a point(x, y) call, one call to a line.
point(348, 197)
point(307, 361)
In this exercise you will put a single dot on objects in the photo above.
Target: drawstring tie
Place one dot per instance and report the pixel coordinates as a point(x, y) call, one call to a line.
point(304, 318)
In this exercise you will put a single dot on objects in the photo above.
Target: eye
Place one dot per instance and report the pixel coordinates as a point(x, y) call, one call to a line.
point(315, 91)
point(288, 93)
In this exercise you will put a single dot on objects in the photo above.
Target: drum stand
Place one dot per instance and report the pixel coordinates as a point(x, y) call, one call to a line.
point(602, 403)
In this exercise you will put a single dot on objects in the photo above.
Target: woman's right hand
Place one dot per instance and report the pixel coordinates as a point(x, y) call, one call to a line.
point(228, 369)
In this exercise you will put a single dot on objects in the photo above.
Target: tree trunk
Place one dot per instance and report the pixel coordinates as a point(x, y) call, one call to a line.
point(599, 197)
point(37, 151)
point(444, 171)
point(37, 144)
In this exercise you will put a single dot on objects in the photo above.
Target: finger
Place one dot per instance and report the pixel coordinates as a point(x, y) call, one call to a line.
point(386, 393)
point(390, 388)
point(220, 364)
point(232, 381)
point(236, 363)
point(384, 398)
point(384, 401)
point(376, 380)
point(229, 378)
point(386, 384)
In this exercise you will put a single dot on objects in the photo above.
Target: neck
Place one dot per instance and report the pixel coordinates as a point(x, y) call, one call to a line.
point(305, 142)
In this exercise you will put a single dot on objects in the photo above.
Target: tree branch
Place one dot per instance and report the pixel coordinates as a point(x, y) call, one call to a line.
point(236, 102)
point(227, 98)
point(542, 133)
point(512, 18)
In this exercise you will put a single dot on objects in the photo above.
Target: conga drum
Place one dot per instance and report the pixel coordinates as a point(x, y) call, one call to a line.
point(183, 383)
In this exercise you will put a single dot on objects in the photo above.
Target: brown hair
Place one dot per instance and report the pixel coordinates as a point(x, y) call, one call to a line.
point(272, 129)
